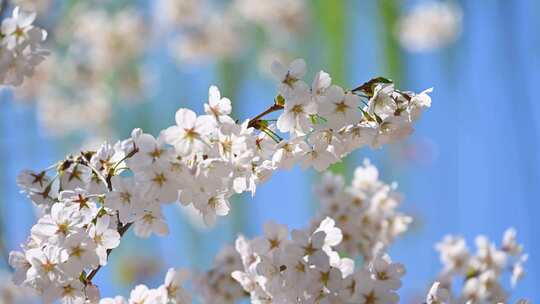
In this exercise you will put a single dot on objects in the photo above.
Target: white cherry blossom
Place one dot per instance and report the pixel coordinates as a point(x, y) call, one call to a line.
point(104, 237)
point(218, 107)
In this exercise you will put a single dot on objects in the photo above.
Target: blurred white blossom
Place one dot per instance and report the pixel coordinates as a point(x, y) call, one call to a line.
point(430, 25)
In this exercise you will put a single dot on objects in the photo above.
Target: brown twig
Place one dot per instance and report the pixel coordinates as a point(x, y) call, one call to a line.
point(253, 123)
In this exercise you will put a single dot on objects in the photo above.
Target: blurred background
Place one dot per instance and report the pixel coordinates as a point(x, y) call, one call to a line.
point(471, 167)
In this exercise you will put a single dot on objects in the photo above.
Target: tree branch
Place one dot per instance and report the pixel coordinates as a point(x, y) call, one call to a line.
point(253, 123)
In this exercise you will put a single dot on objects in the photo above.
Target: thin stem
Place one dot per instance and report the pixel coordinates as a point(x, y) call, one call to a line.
point(270, 135)
point(96, 171)
point(273, 133)
point(129, 155)
point(253, 123)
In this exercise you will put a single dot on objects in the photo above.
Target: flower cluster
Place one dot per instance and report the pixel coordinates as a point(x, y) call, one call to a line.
point(170, 292)
point(76, 232)
point(63, 245)
point(307, 269)
point(20, 47)
point(365, 211)
point(481, 272)
point(217, 286)
point(96, 196)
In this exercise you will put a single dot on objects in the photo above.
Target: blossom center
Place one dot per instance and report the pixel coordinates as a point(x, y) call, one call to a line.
point(341, 107)
point(297, 109)
point(159, 179)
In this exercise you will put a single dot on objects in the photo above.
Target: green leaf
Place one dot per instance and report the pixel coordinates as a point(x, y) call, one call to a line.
point(280, 101)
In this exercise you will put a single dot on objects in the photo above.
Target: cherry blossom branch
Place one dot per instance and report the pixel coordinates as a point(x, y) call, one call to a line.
point(122, 229)
point(254, 122)
point(322, 123)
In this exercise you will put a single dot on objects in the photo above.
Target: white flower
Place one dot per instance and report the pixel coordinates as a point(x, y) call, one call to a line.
point(45, 265)
point(366, 176)
point(430, 25)
point(339, 108)
point(76, 176)
point(158, 181)
point(488, 256)
point(454, 253)
point(510, 244)
point(288, 152)
point(150, 151)
point(438, 295)
point(321, 82)
point(17, 27)
point(212, 205)
point(124, 198)
point(325, 276)
point(107, 157)
point(232, 143)
point(30, 181)
point(296, 116)
point(333, 235)
point(518, 271)
point(115, 300)
point(104, 237)
point(39, 187)
point(275, 236)
point(217, 107)
point(264, 146)
point(82, 254)
point(387, 273)
point(319, 155)
point(61, 222)
point(70, 292)
point(215, 285)
point(368, 291)
point(419, 102)
point(150, 220)
point(329, 187)
point(20, 50)
point(18, 261)
point(82, 202)
point(141, 294)
point(188, 135)
point(288, 76)
point(173, 286)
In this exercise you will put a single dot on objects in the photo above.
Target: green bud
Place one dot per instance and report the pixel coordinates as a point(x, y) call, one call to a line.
point(280, 101)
